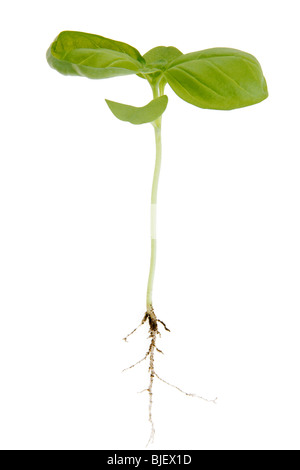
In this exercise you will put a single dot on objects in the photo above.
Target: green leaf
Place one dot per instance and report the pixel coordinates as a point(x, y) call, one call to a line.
point(148, 113)
point(92, 56)
point(218, 78)
point(159, 58)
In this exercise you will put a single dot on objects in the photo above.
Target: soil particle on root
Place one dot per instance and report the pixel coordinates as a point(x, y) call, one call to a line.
point(153, 322)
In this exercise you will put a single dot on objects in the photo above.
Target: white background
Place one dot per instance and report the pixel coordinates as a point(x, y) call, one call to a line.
point(74, 241)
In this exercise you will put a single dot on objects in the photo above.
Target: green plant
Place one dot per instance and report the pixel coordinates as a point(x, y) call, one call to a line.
point(218, 78)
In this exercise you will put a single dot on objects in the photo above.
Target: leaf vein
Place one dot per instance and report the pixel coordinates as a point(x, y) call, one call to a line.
point(184, 89)
point(117, 60)
point(87, 58)
point(197, 80)
point(228, 76)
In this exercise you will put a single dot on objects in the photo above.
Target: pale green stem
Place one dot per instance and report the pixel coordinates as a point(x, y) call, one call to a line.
point(158, 90)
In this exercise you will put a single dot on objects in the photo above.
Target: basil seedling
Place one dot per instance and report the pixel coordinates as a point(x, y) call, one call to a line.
point(218, 78)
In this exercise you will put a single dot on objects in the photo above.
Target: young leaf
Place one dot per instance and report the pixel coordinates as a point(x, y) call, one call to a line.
point(218, 78)
point(159, 58)
point(148, 113)
point(92, 56)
